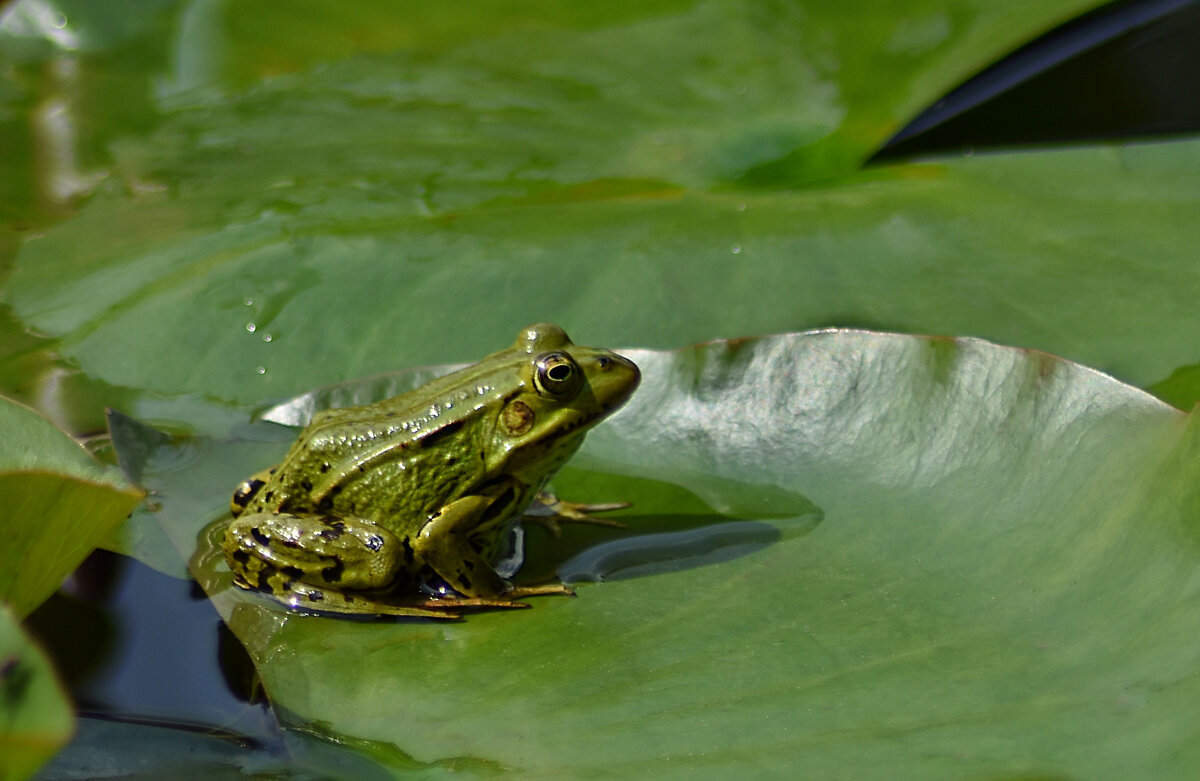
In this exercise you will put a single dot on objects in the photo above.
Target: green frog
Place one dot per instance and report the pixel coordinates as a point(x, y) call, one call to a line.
point(377, 509)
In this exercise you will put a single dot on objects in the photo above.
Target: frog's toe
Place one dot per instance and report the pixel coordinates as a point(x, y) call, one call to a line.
point(547, 589)
point(551, 512)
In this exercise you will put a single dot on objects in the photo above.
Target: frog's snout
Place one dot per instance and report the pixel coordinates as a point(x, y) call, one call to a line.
point(617, 378)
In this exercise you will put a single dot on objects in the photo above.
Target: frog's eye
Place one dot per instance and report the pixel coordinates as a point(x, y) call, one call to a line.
point(557, 375)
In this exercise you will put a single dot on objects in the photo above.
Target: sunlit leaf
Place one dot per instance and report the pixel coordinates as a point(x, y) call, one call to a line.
point(57, 501)
point(988, 551)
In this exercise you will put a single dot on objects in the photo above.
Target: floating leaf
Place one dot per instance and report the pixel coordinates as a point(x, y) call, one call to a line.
point(1004, 583)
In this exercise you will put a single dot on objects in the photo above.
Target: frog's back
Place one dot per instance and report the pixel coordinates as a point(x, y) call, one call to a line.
point(396, 460)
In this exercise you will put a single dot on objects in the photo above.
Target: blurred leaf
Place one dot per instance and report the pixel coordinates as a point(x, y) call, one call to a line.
point(58, 504)
point(35, 717)
point(525, 169)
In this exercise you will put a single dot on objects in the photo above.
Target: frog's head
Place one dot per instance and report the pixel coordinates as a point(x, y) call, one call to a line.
point(565, 389)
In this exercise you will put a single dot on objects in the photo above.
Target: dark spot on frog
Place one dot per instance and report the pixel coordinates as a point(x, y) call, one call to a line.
point(260, 538)
point(241, 556)
point(330, 534)
point(306, 485)
point(469, 565)
point(374, 542)
point(464, 582)
point(333, 573)
point(295, 573)
point(246, 492)
point(264, 577)
point(325, 467)
point(439, 433)
point(315, 596)
point(270, 495)
point(326, 503)
point(337, 489)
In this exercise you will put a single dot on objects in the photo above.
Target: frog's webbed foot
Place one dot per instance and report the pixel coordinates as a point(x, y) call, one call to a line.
point(551, 512)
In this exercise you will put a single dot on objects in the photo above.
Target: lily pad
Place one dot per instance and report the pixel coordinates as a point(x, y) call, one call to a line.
point(59, 503)
point(35, 717)
point(1002, 583)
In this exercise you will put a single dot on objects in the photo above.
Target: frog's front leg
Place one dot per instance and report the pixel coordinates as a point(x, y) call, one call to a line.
point(444, 543)
point(328, 564)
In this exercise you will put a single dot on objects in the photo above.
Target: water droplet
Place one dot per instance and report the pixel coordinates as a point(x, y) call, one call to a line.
point(267, 337)
point(249, 302)
point(741, 207)
point(736, 249)
point(59, 22)
point(261, 370)
point(251, 328)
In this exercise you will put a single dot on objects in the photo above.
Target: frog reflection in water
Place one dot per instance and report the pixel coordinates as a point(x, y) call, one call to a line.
point(373, 505)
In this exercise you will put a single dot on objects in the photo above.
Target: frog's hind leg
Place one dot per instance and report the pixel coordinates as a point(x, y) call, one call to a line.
point(301, 596)
point(309, 562)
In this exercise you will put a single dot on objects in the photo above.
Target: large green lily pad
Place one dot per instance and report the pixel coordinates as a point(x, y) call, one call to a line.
point(1002, 583)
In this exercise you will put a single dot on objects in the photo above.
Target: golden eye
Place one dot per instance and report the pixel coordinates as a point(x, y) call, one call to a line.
point(557, 375)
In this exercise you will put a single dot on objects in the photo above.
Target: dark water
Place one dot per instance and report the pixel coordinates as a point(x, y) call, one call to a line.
point(137, 648)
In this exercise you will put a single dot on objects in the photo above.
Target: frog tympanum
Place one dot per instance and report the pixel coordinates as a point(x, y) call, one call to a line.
point(376, 509)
